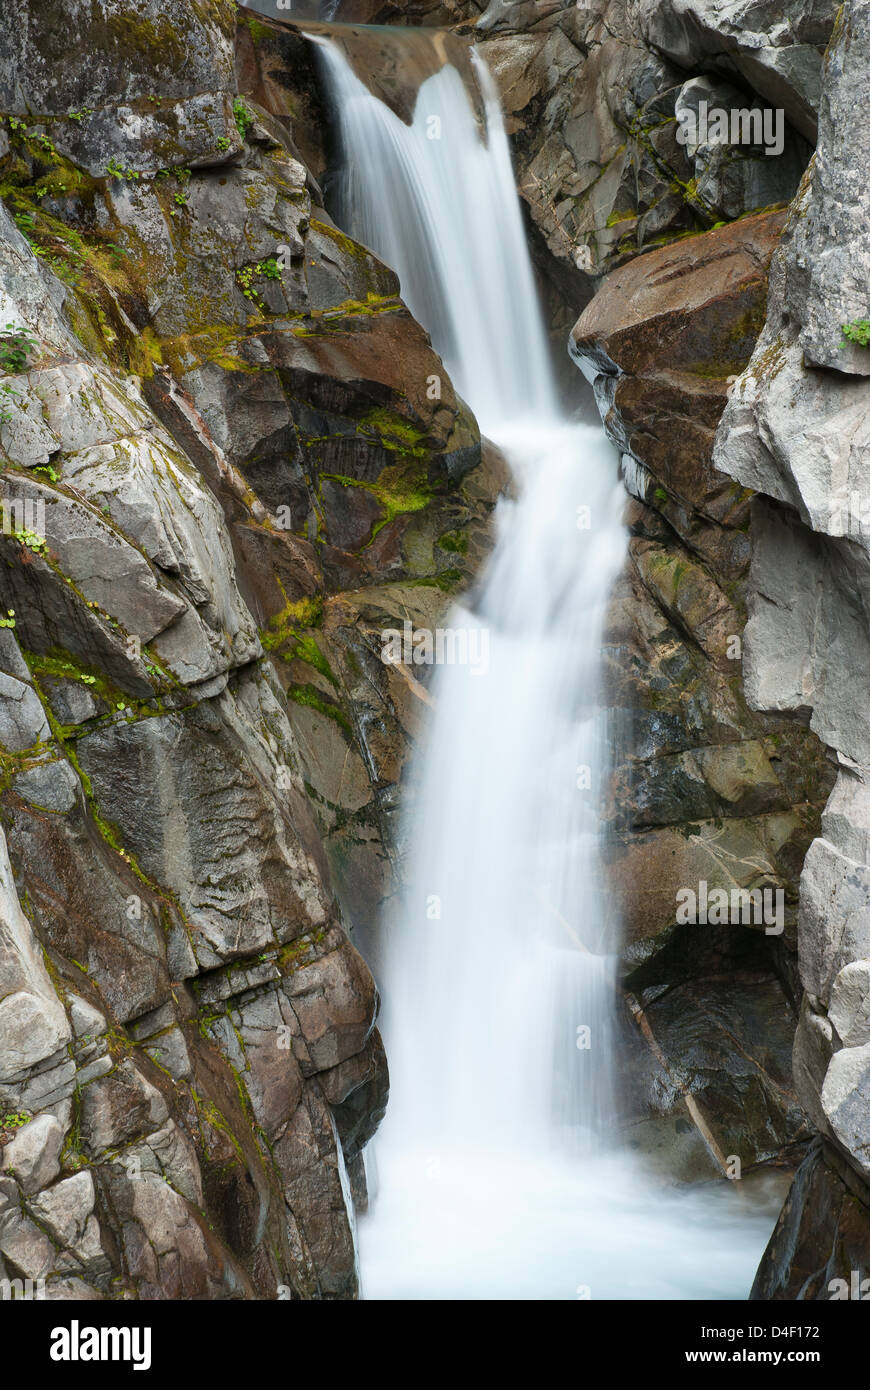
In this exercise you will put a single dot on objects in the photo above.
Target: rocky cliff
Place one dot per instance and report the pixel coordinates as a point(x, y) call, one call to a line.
point(793, 432)
point(222, 471)
point(225, 471)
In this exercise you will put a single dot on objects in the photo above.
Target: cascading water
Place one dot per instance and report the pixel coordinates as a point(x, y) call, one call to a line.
point(496, 1173)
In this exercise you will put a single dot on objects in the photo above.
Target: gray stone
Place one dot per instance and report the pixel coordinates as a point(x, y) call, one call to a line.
point(795, 429)
point(86, 1020)
point(118, 1108)
point(849, 1009)
point(33, 1025)
point(67, 1211)
point(22, 718)
point(21, 1240)
point(50, 784)
point(169, 1050)
point(777, 52)
point(33, 1157)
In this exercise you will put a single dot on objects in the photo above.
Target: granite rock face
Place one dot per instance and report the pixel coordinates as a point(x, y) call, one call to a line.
point(792, 431)
point(224, 469)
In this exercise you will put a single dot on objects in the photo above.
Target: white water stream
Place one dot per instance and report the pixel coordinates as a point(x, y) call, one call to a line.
point(496, 1174)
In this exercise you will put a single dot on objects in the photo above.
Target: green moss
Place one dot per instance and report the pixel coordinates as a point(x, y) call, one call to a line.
point(72, 1155)
point(292, 956)
point(208, 1113)
point(136, 34)
point(448, 581)
point(61, 665)
point(109, 831)
point(395, 432)
point(259, 32)
point(312, 699)
point(306, 648)
point(769, 363)
point(287, 626)
point(145, 351)
point(454, 542)
point(328, 322)
point(373, 304)
point(400, 488)
point(212, 344)
point(346, 243)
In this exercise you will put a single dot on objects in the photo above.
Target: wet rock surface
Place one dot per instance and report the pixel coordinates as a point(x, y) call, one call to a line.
point(819, 1249)
point(707, 790)
point(597, 96)
point(226, 468)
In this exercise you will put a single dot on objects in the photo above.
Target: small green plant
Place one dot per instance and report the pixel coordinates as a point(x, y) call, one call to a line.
point(245, 278)
point(222, 143)
point(14, 1119)
point(244, 118)
point(857, 332)
point(268, 269)
point(9, 620)
point(31, 539)
point(47, 469)
point(182, 177)
point(114, 170)
point(16, 345)
point(80, 115)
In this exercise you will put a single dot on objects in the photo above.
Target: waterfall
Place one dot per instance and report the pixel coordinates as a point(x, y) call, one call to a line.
point(497, 1171)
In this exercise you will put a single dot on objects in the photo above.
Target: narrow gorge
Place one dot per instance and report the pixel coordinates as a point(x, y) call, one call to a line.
point(434, 590)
